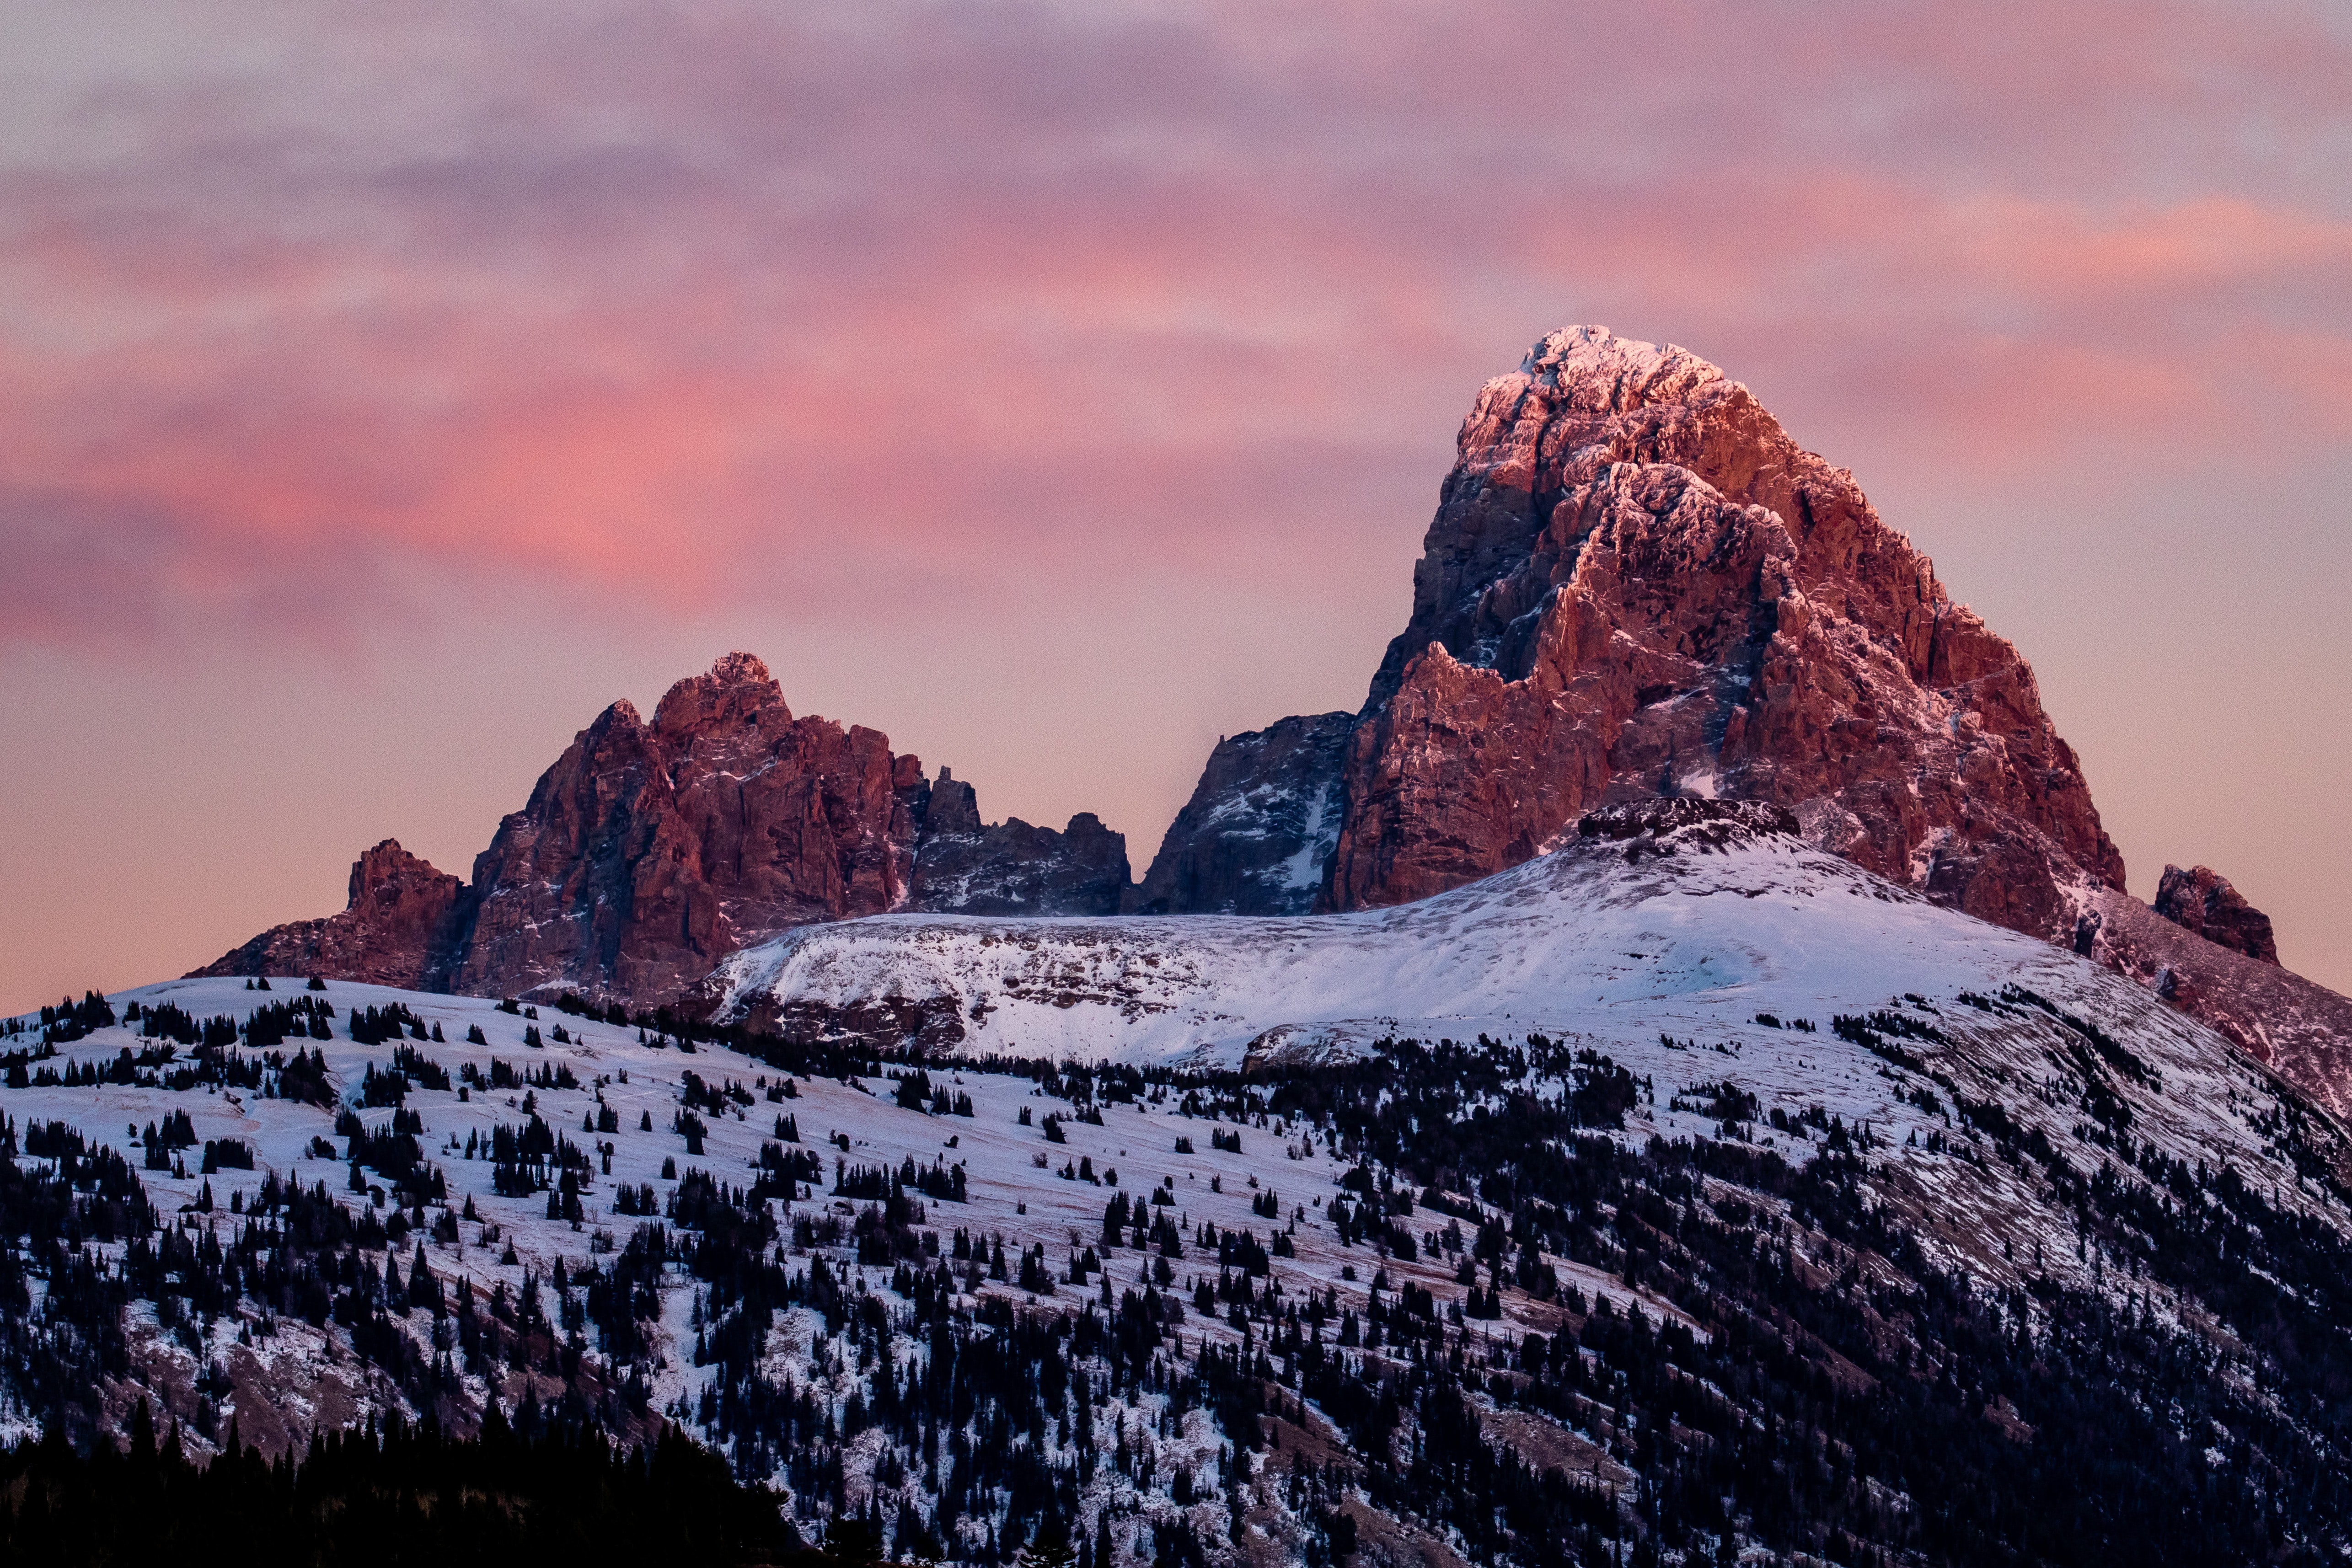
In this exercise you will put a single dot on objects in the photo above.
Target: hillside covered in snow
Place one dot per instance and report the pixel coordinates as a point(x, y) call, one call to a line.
point(1680, 916)
point(1684, 1195)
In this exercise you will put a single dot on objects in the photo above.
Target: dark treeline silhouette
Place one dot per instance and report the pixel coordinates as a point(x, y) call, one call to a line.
point(405, 1494)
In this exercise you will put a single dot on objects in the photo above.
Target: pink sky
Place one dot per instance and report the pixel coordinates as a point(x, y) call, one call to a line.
point(383, 388)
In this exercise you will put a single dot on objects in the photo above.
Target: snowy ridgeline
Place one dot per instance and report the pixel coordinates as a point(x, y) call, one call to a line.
point(1285, 1312)
point(1692, 932)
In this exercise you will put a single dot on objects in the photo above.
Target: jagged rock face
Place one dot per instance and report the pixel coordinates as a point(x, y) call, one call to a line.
point(2202, 900)
point(650, 852)
point(1637, 585)
point(964, 866)
point(1259, 828)
point(402, 927)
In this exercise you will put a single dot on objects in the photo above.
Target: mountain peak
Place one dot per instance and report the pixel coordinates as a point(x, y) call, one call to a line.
point(1637, 585)
point(1592, 369)
point(1641, 581)
point(741, 669)
point(738, 690)
point(386, 864)
point(647, 854)
point(404, 918)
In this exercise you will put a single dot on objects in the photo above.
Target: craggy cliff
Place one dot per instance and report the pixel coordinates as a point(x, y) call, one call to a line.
point(1637, 585)
point(965, 866)
point(650, 852)
point(404, 923)
point(1258, 831)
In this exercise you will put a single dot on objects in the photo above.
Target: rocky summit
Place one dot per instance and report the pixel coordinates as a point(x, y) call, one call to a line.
point(404, 922)
point(1637, 585)
point(2202, 900)
point(649, 852)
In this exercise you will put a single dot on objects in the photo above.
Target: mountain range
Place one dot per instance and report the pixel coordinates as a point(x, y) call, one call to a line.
point(1636, 587)
point(1676, 1078)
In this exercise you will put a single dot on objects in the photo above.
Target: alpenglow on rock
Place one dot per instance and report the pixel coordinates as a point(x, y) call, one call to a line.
point(403, 927)
point(2202, 900)
point(650, 852)
point(1637, 585)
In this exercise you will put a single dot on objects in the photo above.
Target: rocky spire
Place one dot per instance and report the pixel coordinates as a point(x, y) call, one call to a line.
point(2202, 900)
point(1636, 585)
point(649, 852)
point(402, 926)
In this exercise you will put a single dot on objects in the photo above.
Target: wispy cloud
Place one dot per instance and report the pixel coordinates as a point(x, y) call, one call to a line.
point(691, 303)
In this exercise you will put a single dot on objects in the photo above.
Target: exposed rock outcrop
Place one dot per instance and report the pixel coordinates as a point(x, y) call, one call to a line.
point(651, 850)
point(1259, 828)
point(1688, 821)
point(403, 927)
point(1637, 585)
point(965, 866)
point(2202, 900)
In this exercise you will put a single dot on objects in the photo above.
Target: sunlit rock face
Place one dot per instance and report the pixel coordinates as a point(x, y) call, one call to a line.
point(1637, 585)
point(649, 852)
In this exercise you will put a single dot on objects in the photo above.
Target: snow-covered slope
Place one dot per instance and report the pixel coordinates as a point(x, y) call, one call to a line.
point(1691, 941)
point(1683, 917)
point(1760, 1082)
point(283, 1384)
